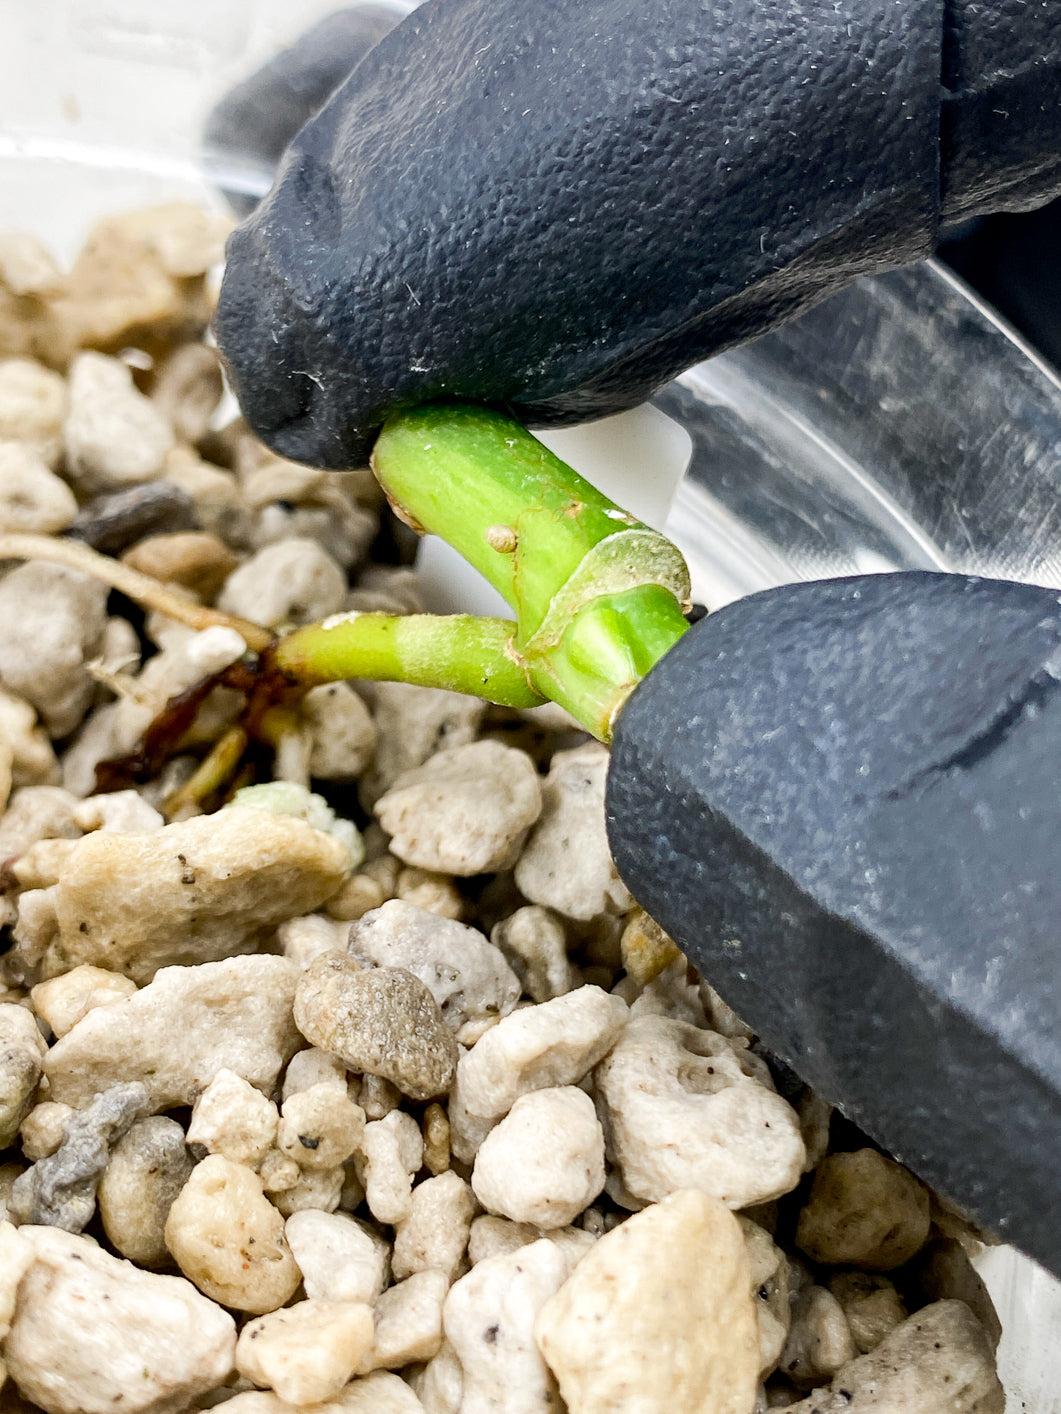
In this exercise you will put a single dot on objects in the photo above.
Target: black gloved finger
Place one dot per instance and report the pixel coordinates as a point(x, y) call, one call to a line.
point(554, 211)
point(246, 131)
point(1000, 124)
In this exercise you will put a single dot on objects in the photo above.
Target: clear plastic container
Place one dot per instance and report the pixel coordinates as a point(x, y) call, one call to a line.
point(915, 431)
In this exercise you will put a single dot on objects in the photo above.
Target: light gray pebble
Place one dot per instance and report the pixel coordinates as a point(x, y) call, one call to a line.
point(21, 1053)
point(384, 1022)
point(188, 388)
point(51, 621)
point(413, 723)
point(111, 523)
point(148, 1167)
point(32, 498)
point(342, 530)
point(32, 406)
point(113, 434)
point(294, 581)
point(566, 864)
point(466, 975)
point(534, 944)
point(939, 1361)
point(37, 813)
point(60, 1191)
point(344, 734)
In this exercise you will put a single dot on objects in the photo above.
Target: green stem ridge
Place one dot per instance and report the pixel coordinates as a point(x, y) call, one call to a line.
point(456, 651)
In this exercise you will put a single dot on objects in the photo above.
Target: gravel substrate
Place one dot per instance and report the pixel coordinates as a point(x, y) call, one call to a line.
point(366, 1085)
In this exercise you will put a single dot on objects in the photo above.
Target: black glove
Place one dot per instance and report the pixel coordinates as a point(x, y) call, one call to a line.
point(554, 209)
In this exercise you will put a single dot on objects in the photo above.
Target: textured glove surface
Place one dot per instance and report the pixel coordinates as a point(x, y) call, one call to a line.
point(553, 210)
point(841, 800)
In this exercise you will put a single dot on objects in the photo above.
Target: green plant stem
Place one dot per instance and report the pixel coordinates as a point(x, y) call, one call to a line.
point(606, 650)
point(598, 596)
point(457, 651)
point(460, 472)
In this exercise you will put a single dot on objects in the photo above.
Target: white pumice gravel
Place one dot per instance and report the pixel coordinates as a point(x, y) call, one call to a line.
point(32, 407)
point(434, 1234)
point(308, 1352)
point(566, 865)
point(320, 1127)
point(373, 1046)
point(63, 1001)
point(669, 1095)
point(657, 1315)
point(232, 1118)
point(554, 1043)
point(393, 1151)
point(770, 1290)
point(41, 1132)
point(187, 390)
point(92, 1334)
point(205, 889)
point(176, 1033)
point(114, 436)
point(26, 754)
point(22, 1051)
point(412, 724)
point(292, 582)
point(340, 1258)
point(37, 812)
point(492, 1236)
point(228, 1239)
point(312, 1067)
point(544, 1163)
point(464, 811)
point(320, 1188)
point(123, 812)
point(303, 940)
point(489, 1320)
point(32, 500)
point(344, 734)
point(408, 1322)
point(439, 1385)
point(53, 621)
point(379, 1393)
